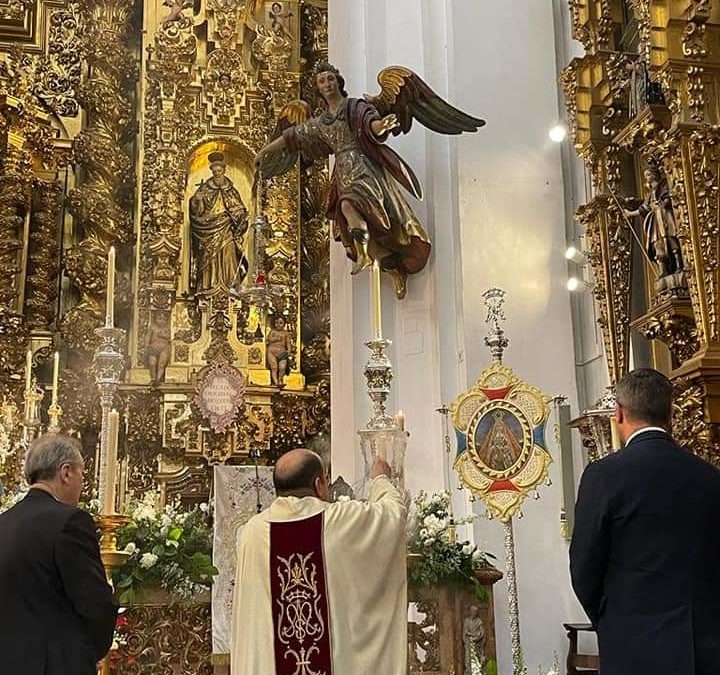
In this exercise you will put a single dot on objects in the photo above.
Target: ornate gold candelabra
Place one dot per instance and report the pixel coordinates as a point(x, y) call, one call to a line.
point(55, 413)
point(107, 365)
point(113, 559)
point(31, 422)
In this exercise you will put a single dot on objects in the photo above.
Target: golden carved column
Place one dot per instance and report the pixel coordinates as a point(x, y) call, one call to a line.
point(103, 204)
point(25, 141)
point(663, 112)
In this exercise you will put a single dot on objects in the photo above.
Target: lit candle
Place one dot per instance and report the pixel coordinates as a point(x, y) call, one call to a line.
point(400, 420)
point(375, 302)
point(56, 371)
point(28, 370)
point(110, 477)
point(110, 290)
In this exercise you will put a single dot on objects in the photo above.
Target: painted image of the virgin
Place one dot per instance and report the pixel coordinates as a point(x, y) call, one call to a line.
point(499, 439)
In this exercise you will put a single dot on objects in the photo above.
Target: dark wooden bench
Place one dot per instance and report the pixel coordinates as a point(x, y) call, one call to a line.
point(580, 664)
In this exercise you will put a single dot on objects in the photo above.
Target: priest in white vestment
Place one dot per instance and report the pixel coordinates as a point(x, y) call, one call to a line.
point(321, 588)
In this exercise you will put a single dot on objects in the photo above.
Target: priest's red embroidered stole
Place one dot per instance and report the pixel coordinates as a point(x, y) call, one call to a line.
point(299, 598)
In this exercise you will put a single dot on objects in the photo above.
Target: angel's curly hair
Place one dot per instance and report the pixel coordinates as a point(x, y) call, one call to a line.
point(327, 67)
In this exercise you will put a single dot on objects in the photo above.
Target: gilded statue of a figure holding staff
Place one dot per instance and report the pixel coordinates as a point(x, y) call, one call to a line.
point(218, 222)
point(370, 213)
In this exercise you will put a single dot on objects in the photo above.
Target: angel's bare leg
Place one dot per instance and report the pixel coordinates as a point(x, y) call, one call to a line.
point(273, 363)
point(360, 235)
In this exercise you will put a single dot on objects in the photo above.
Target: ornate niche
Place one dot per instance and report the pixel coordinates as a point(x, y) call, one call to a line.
point(661, 112)
point(215, 79)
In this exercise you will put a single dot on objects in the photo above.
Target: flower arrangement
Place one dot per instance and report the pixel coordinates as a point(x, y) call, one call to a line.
point(444, 560)
point(168, 548)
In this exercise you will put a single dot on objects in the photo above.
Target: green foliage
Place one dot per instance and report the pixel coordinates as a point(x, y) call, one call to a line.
point(169, 549)
point(444, 559)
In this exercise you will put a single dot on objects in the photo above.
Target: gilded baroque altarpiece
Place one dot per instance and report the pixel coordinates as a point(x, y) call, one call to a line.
point(134, 125)
point(643, 107)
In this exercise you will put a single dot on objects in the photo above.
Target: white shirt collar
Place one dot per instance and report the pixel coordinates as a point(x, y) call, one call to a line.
point(642, 431)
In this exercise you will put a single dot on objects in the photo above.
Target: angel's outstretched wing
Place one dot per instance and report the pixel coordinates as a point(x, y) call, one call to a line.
point(276, 163)
point(406, 95)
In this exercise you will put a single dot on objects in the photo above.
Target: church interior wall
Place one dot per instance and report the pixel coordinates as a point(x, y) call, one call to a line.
point(495, 207)
point(512, 216)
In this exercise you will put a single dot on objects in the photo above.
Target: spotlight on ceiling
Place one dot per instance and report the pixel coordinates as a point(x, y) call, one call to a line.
point(558, 133)
point(575, 255)
point(575, 285)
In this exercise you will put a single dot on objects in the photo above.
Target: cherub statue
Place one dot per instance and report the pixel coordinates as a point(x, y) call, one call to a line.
point(278, 351)
point(176, 9)
point(157, 349)
point(278, 19)
point(370, 213)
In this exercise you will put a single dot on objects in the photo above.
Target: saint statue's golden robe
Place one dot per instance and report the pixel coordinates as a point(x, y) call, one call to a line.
point(218, 222)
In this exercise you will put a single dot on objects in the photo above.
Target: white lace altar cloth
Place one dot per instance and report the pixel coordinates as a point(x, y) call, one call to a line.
point(237, 491)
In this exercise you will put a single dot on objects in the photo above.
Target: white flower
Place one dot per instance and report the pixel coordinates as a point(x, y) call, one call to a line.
point(165, 520)
point(164, 531)
point(429, 541)
point(204, 507)
point(131, 548)
point(148, 560)
point(171, 542)
point(143, 512)
point(424, 534)
point(468, 549)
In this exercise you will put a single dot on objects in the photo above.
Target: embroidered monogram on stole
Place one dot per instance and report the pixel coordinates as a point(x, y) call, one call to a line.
point(302, 640)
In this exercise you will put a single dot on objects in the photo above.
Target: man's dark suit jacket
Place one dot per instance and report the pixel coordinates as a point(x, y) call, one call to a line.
point(57, 613)
point(645, 559)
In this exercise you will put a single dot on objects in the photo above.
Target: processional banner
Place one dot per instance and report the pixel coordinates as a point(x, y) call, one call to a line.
point(240, 491)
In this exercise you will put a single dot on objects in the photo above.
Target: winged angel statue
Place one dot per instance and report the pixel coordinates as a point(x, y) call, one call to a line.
point(370, 214)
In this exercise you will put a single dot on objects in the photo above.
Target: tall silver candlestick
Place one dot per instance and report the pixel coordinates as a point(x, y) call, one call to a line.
point(108, 364)
point(383, 435)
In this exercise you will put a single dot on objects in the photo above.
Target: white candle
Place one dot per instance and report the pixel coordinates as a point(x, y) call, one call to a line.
point(56, 371)
point(375, 302)
point(28, 370)
point(400, 420)
point(110, 477)
point(110, 290)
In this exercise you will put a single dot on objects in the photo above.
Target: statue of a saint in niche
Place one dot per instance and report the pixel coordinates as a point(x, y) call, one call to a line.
point(278, 351)
point(370, 213)
point(661, 238)
point(218, 222)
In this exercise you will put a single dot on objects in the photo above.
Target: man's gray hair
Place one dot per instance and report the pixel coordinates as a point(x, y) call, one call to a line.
point(48, 453)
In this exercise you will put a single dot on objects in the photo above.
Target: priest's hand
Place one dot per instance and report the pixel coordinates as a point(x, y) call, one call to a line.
point(380, 468)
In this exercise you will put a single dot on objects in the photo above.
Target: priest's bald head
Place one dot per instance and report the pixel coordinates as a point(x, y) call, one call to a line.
point(300, 473)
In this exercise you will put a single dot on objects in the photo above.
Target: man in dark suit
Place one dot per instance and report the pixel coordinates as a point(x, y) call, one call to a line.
point(57, 613)
point(645, 555)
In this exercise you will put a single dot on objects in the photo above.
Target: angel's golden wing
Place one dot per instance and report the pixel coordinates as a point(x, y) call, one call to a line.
point(406, 95)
